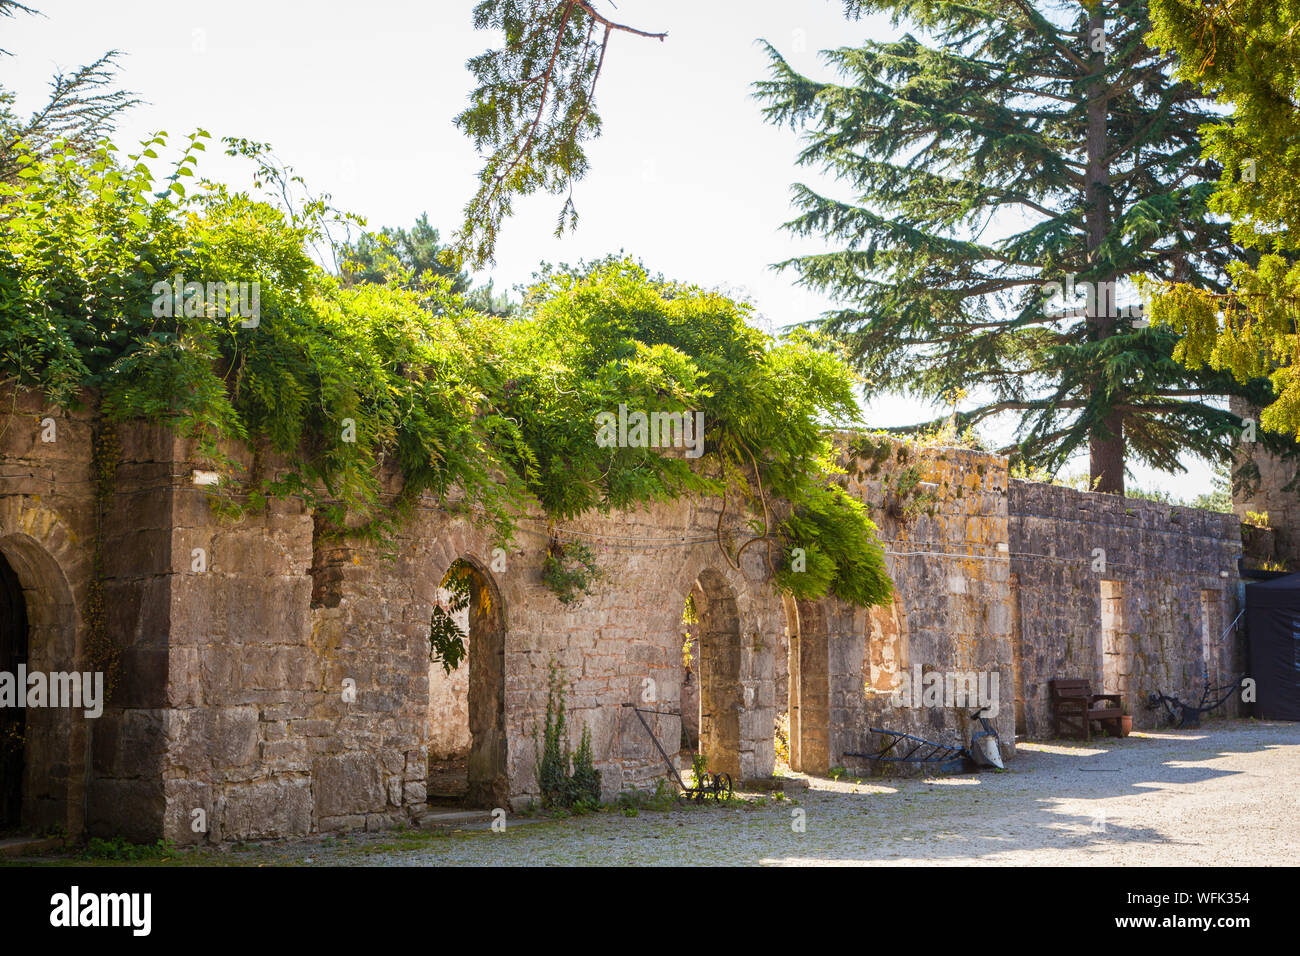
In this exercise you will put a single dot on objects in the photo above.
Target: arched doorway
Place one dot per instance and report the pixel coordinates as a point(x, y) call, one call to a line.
point(13, 719)
point(39, 625)
point(467, 727)
point(717, 654)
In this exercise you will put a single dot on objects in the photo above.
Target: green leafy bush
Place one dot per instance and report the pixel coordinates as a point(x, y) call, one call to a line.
point(341, 387)
point(552, 758)
point(570, 571)
point(560, 788)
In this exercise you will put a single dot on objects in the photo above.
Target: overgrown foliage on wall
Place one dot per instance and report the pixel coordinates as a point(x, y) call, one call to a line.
point(118, 281)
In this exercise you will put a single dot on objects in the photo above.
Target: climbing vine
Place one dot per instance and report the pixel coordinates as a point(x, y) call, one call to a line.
point(362, 399)
point(570, 571)
point(559, 785)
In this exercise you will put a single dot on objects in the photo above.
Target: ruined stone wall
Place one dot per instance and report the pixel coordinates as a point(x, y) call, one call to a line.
point(251, 715)
point(1264, 485)
point(57, 501)
point(622, 645)
point(141, 560)
point(942, 515)
point(47, 533)
point(276, 681)
point(1168, 575)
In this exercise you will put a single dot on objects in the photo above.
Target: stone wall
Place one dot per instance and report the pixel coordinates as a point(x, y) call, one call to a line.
point(48, 519)
point(1169, 579)
point(314, 711)
point(1266, 484)
point(942, 515)
point(277, 681)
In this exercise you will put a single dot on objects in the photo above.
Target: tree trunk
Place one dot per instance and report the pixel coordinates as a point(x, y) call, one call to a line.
point(1107, 456)
point(1106, 441)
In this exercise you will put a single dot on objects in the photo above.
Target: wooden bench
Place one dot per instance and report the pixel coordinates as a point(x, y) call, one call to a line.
point(1073, 707)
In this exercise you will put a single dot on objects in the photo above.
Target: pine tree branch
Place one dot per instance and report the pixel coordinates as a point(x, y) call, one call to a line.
point(1045, 29)
point(548, 79)
point(610, 25)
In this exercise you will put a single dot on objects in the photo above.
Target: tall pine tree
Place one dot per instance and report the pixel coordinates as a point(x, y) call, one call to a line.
point(1027, 144)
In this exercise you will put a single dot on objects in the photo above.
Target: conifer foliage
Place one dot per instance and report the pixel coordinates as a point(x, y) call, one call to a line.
point(1020, 144)
point(1247, 54)
point(533, 108)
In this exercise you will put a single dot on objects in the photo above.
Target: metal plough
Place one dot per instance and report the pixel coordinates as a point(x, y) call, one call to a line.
point(897, 747)
point(1183, 715)
point(719, 786)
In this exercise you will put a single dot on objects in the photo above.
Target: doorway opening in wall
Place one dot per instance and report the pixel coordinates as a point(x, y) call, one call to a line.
point(1115, 650)
point(1211, 626)
point(466, 738)
point(787, 734)
point(712, 696)
point(13, 720)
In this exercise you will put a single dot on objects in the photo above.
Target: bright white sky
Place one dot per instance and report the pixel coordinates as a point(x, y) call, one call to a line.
point(360, 99)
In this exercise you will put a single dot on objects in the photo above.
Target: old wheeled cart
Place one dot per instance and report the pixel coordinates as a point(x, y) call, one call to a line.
point(899, 748)
point(719, 786)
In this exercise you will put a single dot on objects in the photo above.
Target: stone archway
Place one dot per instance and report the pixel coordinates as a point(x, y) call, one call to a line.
point(721, 693)
point(467, 732)
point(53, 744)
point(13, 717)
point(794, 683)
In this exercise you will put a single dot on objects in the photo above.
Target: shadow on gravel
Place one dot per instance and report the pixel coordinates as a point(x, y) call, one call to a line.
point(1037, 804)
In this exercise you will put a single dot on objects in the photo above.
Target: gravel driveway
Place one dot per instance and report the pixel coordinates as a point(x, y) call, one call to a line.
point(1222, 795)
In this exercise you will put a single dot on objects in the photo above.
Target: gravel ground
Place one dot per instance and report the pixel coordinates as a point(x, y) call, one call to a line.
point(1222, 795)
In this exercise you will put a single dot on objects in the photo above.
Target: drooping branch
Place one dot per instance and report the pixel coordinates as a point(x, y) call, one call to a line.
point(610, 25)
point(530, 122)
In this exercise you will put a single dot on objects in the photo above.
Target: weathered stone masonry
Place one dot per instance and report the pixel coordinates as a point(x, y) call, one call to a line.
point(281, 685)
point(1169, 577)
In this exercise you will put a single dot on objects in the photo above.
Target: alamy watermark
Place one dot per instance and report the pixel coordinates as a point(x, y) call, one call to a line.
point(77, 909)
point(653, 430)
point(948, 689)
point(1101, 298)
point(214, 300)
point(56, 689)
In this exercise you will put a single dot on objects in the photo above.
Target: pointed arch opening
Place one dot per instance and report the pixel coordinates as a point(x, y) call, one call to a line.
point(466, 738)
point(717, 655)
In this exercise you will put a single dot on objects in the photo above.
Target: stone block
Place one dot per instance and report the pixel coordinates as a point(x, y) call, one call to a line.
point(280, 807)
point(347, 783)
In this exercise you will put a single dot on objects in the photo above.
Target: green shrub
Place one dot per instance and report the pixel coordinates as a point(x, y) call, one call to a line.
point(584, 786)
point(341, 381)
point(560, 788)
